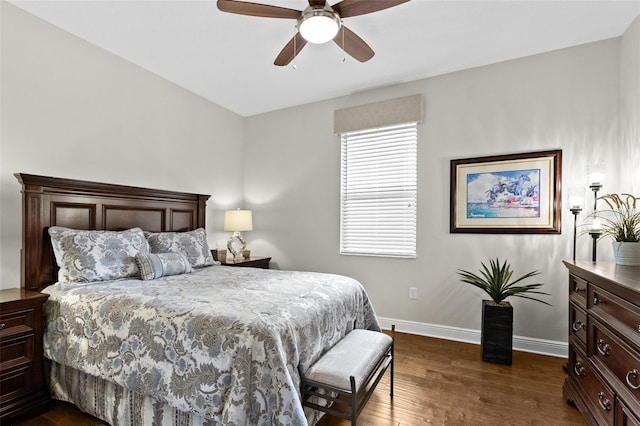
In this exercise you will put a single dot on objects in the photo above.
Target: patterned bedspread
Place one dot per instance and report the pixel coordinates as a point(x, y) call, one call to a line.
point(222, 342)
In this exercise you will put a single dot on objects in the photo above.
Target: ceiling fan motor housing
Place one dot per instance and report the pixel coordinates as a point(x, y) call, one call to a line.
point(319, 24)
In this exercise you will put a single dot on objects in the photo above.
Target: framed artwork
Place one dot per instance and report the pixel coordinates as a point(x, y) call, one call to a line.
point(507, 194)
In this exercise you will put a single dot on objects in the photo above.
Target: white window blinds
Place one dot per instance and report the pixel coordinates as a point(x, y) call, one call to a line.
point(379, 192)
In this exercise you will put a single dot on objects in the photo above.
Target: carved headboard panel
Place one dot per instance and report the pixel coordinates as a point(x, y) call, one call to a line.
point(48, 201)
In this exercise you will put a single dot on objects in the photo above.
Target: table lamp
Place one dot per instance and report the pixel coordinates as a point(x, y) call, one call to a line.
point(237, 221)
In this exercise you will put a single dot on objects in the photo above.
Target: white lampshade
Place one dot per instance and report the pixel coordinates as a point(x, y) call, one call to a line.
point(575, 198)
point(596, 174)
point(238, 220)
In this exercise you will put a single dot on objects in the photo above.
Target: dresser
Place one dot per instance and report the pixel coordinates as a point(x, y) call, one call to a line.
point(604, 342)
point(22, 385)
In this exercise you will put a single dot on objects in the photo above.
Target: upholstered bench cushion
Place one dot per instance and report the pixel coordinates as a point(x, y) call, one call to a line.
point(357, 354)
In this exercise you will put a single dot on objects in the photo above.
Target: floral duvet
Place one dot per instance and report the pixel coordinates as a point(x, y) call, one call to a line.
point(221, 342)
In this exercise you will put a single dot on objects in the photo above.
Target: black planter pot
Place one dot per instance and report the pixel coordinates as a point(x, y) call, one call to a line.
point(497, 332)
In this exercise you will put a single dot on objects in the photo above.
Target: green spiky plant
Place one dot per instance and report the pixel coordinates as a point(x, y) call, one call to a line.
point(622, 221)
point(495, 281)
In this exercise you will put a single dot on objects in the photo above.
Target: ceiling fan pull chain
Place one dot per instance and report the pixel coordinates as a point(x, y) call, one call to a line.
point(295, 33)
point(344, 57)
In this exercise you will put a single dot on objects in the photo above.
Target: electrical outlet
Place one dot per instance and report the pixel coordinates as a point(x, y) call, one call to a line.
point(413, 293)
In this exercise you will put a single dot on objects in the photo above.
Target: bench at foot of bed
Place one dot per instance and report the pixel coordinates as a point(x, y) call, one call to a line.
point(347, 374)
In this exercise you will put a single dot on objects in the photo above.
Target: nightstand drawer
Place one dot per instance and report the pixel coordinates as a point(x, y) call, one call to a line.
point(253, 262)
point(16, 351)
point(22, 385)
point(16, 383)
point(16, 322)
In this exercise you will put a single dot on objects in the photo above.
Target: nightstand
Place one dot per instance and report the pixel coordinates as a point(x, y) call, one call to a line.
point(252, 262)
point(22, 385)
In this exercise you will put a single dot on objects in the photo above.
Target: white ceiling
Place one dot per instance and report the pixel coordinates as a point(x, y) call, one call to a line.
point(228, 58)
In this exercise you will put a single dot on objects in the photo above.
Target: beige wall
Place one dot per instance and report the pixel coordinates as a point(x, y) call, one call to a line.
point(72, 110)
point(567, 99)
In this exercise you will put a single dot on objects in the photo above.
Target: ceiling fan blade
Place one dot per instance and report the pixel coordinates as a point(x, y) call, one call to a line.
point(290, 51)
point(353, 45)
point(314, 3)
point(257, 9)
point(349, 8)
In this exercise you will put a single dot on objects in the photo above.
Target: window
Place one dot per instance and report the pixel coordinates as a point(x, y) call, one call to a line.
point(379, 192)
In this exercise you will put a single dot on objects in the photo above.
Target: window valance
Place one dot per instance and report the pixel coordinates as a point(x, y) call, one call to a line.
point(407, 109)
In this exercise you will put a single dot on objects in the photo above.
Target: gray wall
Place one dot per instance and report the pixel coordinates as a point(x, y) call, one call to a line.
point(630, 104)
point(567, 99)
point(72, 110)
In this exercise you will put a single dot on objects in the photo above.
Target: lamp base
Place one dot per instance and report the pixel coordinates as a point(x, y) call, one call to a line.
point(594, 248)
point(236, 245)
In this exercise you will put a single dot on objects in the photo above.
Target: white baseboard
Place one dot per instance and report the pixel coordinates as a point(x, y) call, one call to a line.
point(520, 343)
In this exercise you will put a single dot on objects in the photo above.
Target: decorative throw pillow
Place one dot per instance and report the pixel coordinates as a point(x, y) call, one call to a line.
point(192, 243)
point(158, 265)
point(88, 256)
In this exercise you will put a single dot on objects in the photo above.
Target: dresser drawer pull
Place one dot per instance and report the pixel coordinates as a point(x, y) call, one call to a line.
point(633, 373)
point(604, 402)
point(603, 347)
point(577, 325)
point(577, 289)
point(578, 369)
point(596, 300)
point(3, 325)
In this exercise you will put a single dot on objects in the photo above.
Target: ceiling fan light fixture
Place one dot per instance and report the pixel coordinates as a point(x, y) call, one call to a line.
point(319, 25)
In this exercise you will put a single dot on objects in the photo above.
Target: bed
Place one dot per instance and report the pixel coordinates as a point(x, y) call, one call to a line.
point(204, 345)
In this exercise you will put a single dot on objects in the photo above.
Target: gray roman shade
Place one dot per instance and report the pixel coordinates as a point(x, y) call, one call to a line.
point(407, 109)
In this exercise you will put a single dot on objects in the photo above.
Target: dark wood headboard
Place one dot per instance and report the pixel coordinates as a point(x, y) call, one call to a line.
point(48, 201)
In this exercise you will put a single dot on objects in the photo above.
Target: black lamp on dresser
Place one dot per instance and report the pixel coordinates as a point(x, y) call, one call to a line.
point(22, 385)
point(604, 342)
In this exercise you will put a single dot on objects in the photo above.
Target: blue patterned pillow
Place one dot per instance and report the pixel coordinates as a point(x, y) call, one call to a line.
point(192, 243)
point(88, 256)
point(158, 265)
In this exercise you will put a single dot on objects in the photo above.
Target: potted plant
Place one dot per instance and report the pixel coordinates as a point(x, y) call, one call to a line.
point(622, 223)
point(497, 313)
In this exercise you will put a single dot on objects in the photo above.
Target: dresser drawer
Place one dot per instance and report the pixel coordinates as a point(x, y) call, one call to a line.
point(621, 359)
point(625, 416)
point(578, 326)
point(621, 314)
point(578, 291)
point(597, 395)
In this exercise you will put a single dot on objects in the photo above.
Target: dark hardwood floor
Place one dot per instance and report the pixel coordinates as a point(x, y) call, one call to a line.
point(437, 382)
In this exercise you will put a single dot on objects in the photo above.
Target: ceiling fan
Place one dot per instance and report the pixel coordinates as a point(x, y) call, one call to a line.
point(318, 23)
